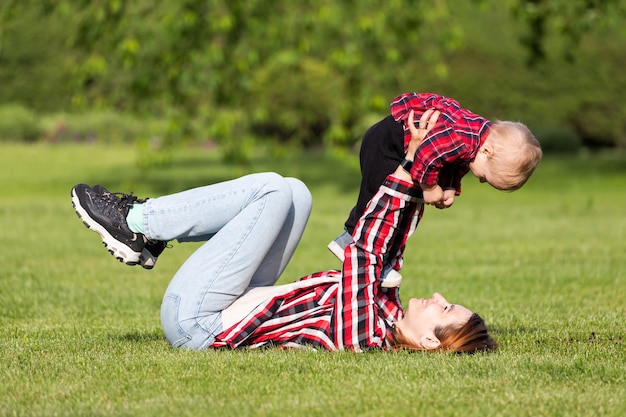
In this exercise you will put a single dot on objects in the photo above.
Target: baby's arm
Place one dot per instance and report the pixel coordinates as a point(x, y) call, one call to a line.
point(437, 196)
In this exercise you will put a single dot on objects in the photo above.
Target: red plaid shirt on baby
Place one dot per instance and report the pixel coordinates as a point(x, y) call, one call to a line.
point(341, 310)
point(444, 155)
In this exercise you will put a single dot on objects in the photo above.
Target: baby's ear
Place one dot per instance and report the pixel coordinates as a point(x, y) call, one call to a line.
point(486, 149)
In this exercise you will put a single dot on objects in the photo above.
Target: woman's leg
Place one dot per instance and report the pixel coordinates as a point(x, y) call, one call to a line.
point(244, 217)
point(287, 241)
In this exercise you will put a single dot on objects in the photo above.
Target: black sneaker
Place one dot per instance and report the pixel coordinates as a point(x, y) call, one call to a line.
point(106, 214)
point(152, 248)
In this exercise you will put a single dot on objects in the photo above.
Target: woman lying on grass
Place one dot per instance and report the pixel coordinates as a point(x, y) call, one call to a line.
point(224, 294)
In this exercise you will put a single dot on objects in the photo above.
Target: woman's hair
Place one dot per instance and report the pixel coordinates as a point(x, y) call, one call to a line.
point(516, 154)
point(470, 337)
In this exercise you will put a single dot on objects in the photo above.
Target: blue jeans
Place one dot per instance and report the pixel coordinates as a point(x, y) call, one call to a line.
point(251, 225)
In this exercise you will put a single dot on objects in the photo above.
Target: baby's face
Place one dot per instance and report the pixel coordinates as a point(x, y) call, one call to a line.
point(480, 167)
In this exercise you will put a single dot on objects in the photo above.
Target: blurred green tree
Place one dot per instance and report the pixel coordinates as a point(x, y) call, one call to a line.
point(313, 72)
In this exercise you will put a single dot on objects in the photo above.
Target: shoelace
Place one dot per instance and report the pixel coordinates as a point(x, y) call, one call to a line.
point(120, 201)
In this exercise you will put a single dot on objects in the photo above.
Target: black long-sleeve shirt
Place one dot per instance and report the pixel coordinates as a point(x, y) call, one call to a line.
point(382, 150)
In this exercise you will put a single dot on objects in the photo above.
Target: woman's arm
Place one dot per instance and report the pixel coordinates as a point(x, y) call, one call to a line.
point(357, 323)
point(390, 212)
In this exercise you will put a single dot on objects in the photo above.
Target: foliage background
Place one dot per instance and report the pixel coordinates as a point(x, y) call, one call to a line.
point(309, 73)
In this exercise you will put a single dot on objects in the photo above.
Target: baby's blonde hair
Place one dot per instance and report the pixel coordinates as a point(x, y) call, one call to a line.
point(516, 154)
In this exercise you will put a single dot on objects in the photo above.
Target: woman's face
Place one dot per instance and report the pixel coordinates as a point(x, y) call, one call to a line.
point(422, 316)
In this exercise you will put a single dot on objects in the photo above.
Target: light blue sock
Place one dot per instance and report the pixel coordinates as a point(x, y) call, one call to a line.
point(135, 218)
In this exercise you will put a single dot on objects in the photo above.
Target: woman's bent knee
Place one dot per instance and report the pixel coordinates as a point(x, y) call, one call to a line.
point(301, 194)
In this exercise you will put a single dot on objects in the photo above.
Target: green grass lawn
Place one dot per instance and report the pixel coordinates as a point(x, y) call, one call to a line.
point(545, 267)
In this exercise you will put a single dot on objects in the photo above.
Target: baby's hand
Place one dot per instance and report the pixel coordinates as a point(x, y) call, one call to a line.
point(433, 194)
point(448, 198)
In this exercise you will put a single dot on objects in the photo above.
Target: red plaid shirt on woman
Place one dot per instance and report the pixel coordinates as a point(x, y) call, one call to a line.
point(444, 155)
point(341, 310)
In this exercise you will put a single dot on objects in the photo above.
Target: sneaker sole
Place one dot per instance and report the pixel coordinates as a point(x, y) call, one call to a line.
point(391, 280)
point(120, 251)
point(336, 250)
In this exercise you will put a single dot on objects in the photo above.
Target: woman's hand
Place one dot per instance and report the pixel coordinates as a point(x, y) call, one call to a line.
point(426, 123)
